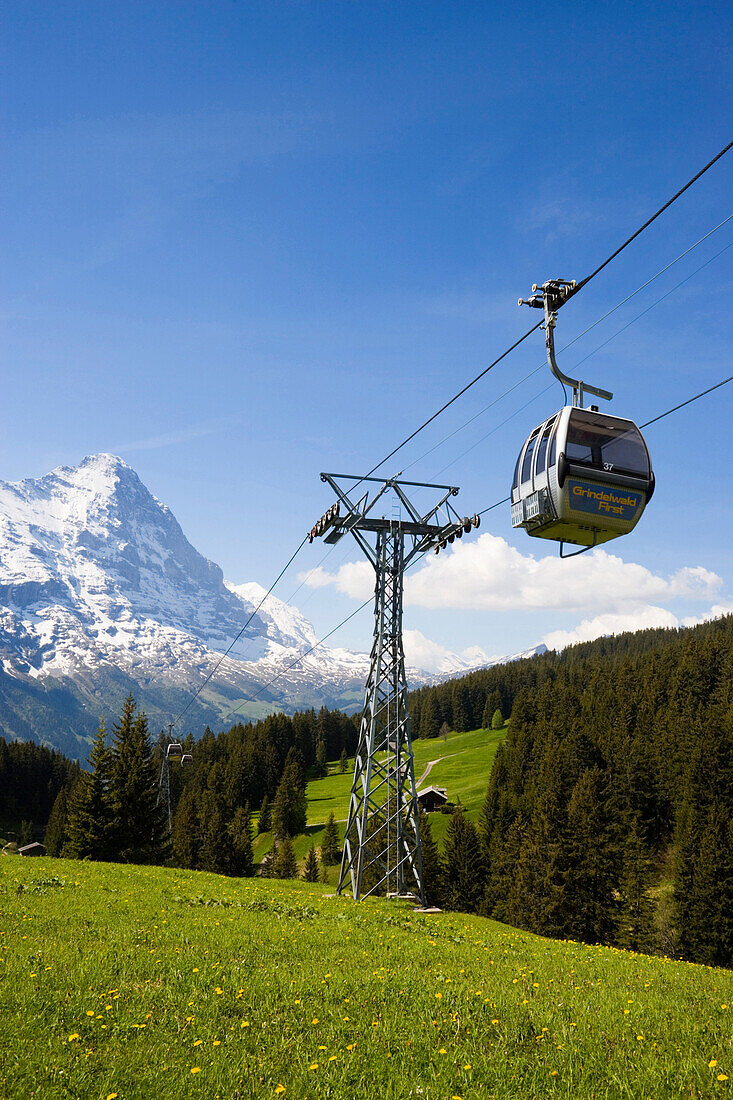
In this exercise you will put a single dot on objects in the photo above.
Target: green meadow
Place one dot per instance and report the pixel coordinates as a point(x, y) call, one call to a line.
point(121, 982)
point(461, 763)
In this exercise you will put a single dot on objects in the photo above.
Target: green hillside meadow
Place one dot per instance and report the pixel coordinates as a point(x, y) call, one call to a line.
point(123, 982)
point(461, 763)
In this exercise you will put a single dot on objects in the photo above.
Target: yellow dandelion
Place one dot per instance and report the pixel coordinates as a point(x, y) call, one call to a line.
point(322, 1048)
point(712, 1063)
point(442, 1051)
point(90, 1012)
point(438, 995)
point(640, 1038)
point(467, 1065)
point(74, 1036)
point(722, 1077)
point(351, 1046)
point(333, 1058)
point(111, 1096)
point(217, 1042)
point(280, 1088)
point(219, 990)
point(197, 1042)
point(495, 1021)
point(195, 1069)
point(195, 970)
point(314, 1020)
point(245, 1023)
point(553, 1073)
point(313, 1066)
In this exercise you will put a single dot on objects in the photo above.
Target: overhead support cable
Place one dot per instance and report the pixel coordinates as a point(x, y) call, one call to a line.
point(571, 293)
point(239, 635)
point(648, 222)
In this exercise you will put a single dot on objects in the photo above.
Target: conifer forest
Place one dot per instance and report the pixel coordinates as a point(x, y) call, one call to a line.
point(607, 812)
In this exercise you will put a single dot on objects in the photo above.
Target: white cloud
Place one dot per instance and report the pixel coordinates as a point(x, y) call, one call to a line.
point(643, 619)
point(715, 612)
point(430, 656)
point(355, 579)
point(490, 575)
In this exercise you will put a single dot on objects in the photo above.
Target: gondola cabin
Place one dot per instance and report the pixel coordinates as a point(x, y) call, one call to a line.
point(582, 477)
point(174, 751)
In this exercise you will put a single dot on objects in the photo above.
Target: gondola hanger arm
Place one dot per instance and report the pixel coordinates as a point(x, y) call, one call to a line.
point(550, 296)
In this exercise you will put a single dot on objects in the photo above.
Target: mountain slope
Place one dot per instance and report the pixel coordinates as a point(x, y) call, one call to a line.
point(102, 594)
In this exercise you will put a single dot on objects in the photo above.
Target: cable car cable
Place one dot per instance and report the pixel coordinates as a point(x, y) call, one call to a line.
point(688, 402)
point(571, 294)
point(483, 512)
point(646, 424)
point(695, 178)
point(239, 635)
point(585, 331)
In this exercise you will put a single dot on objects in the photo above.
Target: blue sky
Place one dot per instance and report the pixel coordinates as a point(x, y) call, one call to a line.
point(245, 242)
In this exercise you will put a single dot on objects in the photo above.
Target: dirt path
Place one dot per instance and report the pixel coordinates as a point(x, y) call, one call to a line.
point(426, 773)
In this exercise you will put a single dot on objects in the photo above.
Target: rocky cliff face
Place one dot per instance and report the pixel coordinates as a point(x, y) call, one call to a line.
point(101, 593)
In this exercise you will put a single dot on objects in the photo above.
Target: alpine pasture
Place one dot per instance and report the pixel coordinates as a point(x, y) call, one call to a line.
point(122, 982)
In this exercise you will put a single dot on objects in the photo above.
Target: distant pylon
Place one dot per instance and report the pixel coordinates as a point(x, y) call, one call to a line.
point(173, 751)
point(382, 849)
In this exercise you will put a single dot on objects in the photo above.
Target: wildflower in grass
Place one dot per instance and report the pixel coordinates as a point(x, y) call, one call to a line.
point(245, 1023)
point(314, 1020)
point(74, 1036)
point(279, 1089)
point(712, 1063)
point(195, 1069)
point(197, 1042)
point(722, 1077)
point(217, 1042)
point(351, 1046)
point(90, 1012)
point(219, 990)
point(442, 1051)
point(112, 1096)
point(313, 1066)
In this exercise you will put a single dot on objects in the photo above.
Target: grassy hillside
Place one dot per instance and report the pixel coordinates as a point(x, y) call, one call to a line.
point(128, 982)
point(461, 763)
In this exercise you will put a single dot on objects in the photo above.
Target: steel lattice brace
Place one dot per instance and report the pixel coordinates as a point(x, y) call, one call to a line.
point(382, 851)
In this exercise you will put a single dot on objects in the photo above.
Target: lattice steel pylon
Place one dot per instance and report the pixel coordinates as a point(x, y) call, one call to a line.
point(382, 851)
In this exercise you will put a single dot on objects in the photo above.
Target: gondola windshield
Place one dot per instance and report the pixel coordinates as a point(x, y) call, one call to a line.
point(605, 445)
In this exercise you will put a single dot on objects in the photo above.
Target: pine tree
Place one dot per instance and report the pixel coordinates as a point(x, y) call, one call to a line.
point(463, 861)
point(432, 867)
point(592, 874)
point(186, 833)
point(493, 703)
point(56, 827)
point(264, 821)
point(26, 833)
point(290, 806)
point(217, 850)
point(497, 720)
point(430, 717)
point(321, 758)
point(634, 928)
point(330, 841)
point(285, 865)
point(89, 829)
point(138, 823)
point(241, 830)
point(343, 762)
point(310, 870)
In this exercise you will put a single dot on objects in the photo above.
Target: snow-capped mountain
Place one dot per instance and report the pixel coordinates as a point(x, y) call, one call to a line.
point(101, 593)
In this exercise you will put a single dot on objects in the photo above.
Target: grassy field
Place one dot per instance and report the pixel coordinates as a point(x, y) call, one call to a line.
point(125, 982)
point(461, 763)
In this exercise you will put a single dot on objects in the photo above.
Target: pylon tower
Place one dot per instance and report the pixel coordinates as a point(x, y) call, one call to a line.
point(382, 851)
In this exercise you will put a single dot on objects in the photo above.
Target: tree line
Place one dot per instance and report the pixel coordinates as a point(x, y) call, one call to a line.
point(616, 779)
